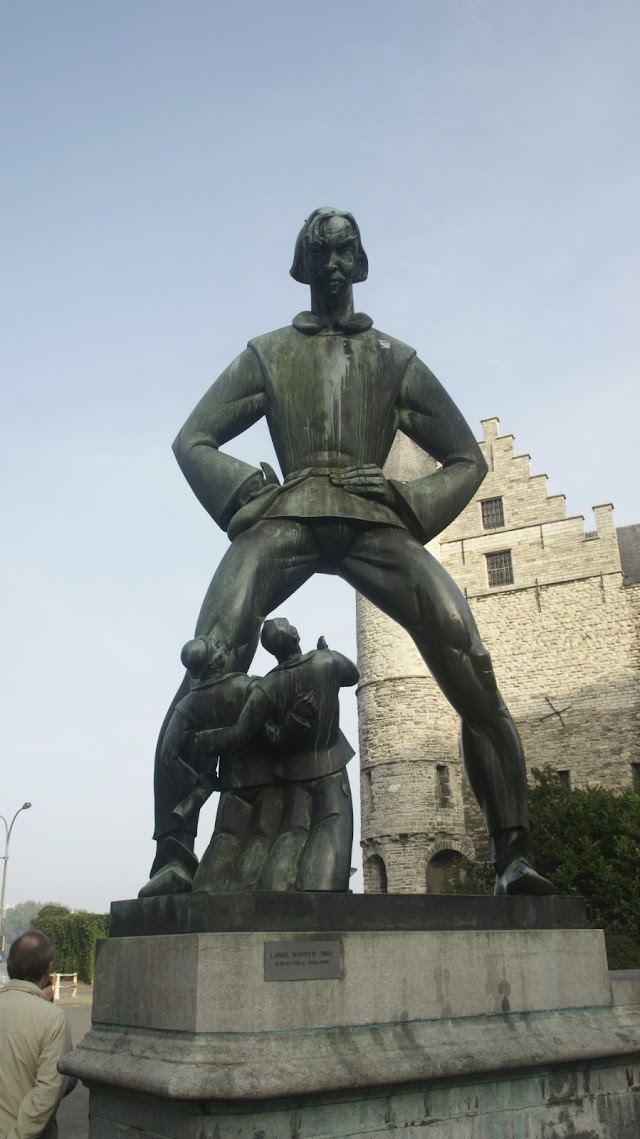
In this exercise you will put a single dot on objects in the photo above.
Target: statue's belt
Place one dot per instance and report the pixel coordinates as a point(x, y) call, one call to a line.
point(312, 472)
point(265, 504)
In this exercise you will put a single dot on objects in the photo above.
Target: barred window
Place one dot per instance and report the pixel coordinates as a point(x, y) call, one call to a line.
point(443, 785)
point(635, 776)
point(500, 568)
point(565, 779)
point(492, 513)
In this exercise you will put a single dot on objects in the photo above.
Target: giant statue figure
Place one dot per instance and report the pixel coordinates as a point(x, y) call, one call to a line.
point(335, 390)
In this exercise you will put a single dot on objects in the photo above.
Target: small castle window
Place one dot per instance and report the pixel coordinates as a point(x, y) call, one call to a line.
point(367, 793)
point(500, 568)
point(492, 513)
point(635, 776)
point(443, 785)
point(565, 779)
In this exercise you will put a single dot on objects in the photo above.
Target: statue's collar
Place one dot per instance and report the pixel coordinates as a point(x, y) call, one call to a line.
point(296, 660)
point(311, 324)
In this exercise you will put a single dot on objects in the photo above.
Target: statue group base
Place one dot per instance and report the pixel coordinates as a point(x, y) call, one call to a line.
point(312, 1016)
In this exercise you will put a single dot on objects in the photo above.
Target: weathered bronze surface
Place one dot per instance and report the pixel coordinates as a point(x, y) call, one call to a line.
point(328, 912)
point(335, 390)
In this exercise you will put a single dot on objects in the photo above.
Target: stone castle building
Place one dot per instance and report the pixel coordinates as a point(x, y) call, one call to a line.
point(558, 607)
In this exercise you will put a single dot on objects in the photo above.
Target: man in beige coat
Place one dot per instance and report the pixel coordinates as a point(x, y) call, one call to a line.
point(34, 1035)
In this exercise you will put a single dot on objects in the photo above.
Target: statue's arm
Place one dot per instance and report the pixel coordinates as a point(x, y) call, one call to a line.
point(431, 419)
point(222, 483)
point(216, 741)
point(347, 671)
point(295, 726)
point(173, 739)
point(177, 755)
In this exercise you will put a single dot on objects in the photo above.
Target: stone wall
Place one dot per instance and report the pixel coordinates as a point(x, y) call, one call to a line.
point(565, 641)
point(407, 732)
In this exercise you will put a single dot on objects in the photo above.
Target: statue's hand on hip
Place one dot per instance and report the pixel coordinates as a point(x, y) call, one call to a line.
point(367, 481)
point(304, 707)
point(260, 498)
point(201, 751)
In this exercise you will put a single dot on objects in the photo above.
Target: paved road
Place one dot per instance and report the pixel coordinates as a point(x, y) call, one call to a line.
point(73, 1113)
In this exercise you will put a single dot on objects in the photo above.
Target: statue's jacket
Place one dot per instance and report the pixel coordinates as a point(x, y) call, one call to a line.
point(332, 400)
point(252, 719)
point(218, 702)
point(322, 748)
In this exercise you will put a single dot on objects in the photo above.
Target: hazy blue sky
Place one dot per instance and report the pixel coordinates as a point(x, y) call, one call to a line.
point(159, 160)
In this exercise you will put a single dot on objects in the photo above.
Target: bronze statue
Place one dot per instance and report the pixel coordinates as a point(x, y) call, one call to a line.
point(335, 390)
point(294, 712)
point(215, 696)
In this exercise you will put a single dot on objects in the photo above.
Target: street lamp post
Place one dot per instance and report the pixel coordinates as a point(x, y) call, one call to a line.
point(8, 828)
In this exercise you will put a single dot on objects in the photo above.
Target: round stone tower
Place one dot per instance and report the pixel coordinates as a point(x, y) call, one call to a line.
point(413, 824)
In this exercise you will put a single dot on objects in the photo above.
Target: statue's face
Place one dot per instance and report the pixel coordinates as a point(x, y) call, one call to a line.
point(218, 658)
point(331, 258)
point(290, 638)
point(279, 637)
point(294, 635)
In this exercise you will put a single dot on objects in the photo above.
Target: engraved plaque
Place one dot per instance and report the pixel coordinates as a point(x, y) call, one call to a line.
point(302, 960)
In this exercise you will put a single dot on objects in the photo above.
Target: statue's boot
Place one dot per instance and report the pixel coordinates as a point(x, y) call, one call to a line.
point(512, 858)
point(172, 871)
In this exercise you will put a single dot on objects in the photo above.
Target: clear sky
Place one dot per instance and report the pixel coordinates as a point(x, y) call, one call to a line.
point(159, 159)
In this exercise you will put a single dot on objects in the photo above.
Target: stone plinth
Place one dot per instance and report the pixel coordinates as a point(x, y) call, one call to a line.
point(264, 912)
point(449, 1032)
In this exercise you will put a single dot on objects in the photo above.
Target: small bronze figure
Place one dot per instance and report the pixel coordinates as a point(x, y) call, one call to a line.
point(295, 707)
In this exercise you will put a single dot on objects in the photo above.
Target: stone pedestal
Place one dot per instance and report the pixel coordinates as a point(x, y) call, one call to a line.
point(300, 1016)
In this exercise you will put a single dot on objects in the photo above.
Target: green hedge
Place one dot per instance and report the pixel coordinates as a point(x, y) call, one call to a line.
point(74, 939)
point(588, 842)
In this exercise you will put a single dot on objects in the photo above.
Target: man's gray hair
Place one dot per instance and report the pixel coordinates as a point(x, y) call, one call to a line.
point(29, 957)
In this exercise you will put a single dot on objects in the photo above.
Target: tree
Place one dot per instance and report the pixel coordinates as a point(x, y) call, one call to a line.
point(18, 919)
point(51, 910)
point(587, 842)
point(74, 938)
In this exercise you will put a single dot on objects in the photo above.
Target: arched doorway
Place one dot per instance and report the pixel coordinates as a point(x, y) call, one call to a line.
point(375, 875)
point(444, 871)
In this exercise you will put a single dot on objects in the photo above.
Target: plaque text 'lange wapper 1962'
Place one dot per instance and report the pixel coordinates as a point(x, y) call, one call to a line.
point(302, 960)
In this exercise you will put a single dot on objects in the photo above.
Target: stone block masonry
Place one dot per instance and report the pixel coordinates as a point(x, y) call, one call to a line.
point(434, 1033)
point(564, 635)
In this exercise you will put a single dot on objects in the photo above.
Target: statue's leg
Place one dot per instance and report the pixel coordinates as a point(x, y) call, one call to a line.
point(398, 575)
point(174, 864)
point(282, 866)
point(265, 823)
point(233, 822)
point(261, 569)
point(326, 859)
